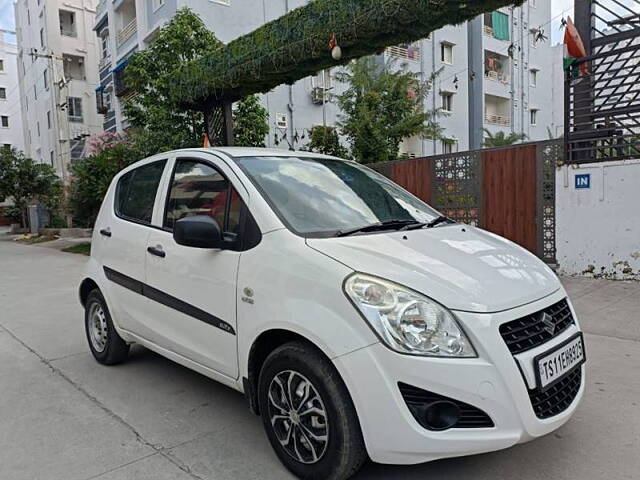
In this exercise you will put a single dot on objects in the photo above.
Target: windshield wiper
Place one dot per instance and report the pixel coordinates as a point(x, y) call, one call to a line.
point(380, 226)
point(437, 221)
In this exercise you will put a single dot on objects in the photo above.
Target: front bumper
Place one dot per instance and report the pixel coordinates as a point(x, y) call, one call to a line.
point(496, 382)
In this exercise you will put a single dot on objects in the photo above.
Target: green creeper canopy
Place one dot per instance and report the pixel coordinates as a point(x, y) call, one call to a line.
point(299, 43)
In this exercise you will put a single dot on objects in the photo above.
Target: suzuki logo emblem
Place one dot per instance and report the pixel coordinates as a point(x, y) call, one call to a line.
point(549, 324)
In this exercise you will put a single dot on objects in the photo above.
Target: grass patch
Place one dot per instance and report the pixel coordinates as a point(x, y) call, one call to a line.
point(80, 249)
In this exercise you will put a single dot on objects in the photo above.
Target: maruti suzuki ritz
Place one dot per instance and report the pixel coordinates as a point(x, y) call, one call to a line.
point(358, 321)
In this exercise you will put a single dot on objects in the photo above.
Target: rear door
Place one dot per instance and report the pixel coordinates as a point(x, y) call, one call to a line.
point(192, 290)
point(123, 232)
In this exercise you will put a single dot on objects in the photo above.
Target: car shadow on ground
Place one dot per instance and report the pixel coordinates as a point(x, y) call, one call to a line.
point(226, 404)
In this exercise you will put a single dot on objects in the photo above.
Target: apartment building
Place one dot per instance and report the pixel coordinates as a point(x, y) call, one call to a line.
point(58, 75)
point(493, 72)
point(10, 112)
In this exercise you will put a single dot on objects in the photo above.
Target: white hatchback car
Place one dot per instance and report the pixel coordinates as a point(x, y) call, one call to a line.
point(358, 321)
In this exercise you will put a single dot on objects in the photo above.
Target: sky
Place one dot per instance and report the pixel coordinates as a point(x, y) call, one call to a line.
point(6, 17)
point(559, 9)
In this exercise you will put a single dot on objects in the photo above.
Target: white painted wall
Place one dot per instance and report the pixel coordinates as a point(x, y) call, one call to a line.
point(10, 105)
point(598, 230)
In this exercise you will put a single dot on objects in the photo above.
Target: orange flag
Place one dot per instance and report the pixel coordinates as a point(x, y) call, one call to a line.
point(574, 44)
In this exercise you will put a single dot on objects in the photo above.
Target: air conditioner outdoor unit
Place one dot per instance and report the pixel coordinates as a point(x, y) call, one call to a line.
point(281, 120)
point(318, 95)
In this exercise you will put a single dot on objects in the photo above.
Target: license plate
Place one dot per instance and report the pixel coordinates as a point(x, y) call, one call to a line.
point(552, 366)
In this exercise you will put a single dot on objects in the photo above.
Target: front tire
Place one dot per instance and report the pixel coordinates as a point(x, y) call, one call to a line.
point(308, 414)
point(106, 345)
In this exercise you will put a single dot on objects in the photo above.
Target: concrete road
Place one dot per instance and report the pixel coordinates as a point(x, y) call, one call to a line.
point(63, 416)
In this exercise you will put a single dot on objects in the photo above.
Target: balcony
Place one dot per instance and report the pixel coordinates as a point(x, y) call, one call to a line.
point(496, 67)
point(492, 119)
point(497, 110)
point(405, 51)
point(73, 67)
point(126, 32)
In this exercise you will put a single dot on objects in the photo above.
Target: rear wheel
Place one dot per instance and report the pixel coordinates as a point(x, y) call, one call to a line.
point(106, 345)
point(308, 414)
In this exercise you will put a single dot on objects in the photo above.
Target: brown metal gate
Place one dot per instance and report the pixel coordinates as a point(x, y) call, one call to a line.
point(509, 191)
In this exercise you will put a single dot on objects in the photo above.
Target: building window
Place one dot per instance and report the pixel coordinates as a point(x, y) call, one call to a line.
point(3, 93)
point(447, 146)
point(156, 4)
point(42, 37)
point(67, 23)
point(49, 120)
point(38, 127)
point(35, 93)
point(46, 80)
point(51, 154)
point(533, 77)
point(533, 116)
point(104, 44)
point(446, 53)
point(28, 17)
point(4, 121)
point(1, 65)
point(74, 105)
point(447, 101)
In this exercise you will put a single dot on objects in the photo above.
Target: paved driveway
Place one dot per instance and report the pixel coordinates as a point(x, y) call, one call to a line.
point(63, 416)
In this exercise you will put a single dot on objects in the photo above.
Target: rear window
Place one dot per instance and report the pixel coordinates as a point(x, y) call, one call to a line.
point(136, 192)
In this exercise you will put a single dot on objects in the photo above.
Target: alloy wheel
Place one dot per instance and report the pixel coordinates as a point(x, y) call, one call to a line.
point(298, 417)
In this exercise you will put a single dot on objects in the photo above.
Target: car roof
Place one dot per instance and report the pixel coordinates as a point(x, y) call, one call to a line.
point(236, 152)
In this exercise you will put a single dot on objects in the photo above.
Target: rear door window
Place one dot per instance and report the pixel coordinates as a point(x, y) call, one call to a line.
point(136, 192)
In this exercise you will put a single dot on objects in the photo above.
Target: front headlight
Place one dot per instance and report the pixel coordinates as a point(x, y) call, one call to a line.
point(407, 321)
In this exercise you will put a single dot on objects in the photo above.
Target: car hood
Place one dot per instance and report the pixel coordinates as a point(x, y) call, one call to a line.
point(463, 268)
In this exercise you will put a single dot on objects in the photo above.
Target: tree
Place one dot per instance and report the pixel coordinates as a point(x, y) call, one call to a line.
point(381, 107)
point(92, 177)
point(500, 139)
point(151, 73)
point(24, 181)
point(326, 140)
point(250, 122)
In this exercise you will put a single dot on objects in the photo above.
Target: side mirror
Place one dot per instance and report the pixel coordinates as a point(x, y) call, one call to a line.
point(198, 232)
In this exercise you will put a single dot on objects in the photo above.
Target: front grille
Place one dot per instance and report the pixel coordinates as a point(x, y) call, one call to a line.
point(470, 416)
point(558, 397)
point(531, 331)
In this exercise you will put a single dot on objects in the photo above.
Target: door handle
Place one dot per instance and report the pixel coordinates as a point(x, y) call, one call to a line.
point(105, 232)
point(157, 251)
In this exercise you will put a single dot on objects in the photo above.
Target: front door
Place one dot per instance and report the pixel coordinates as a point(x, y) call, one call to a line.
point(193, 290)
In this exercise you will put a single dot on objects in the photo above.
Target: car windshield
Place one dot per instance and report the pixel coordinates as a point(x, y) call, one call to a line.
point(323, 197)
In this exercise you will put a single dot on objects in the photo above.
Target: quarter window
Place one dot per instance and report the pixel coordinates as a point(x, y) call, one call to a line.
point(136, 192)
point(199, 189)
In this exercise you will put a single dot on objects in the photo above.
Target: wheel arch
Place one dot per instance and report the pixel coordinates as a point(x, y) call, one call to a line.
point(262, 346)
point(86, 287)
